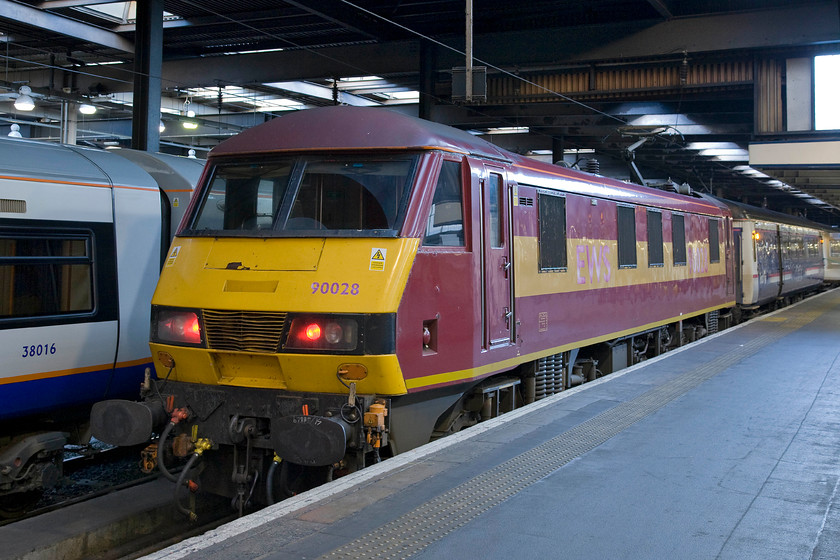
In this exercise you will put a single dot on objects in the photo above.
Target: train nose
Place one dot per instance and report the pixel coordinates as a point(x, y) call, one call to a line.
point(121, 422)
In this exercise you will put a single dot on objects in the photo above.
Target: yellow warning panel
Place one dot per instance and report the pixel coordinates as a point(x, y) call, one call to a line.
point(377, 258)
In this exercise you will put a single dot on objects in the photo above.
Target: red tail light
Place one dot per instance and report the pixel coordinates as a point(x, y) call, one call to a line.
point(177, 326)
point(312, 332)
point(323, 333)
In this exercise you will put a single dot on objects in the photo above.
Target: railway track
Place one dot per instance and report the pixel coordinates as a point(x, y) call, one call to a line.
point(88, 472)
point(124, 522)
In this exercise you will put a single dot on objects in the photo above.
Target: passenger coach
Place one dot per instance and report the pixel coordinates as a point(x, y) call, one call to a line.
point(83, 233)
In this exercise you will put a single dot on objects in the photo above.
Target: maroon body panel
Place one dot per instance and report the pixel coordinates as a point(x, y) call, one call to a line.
point(448, 288)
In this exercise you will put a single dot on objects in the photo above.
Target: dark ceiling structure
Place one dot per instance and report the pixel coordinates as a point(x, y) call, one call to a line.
point(661, 91)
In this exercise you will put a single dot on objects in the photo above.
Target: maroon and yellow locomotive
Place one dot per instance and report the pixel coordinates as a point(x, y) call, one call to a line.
point(350, 282)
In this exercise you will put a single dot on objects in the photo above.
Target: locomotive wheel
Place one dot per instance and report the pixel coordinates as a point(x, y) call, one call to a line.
point(15, 505)
point(295, 479)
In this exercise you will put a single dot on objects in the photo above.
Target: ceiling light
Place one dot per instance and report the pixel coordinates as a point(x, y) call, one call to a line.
point(712, 146)
point(161, 127)
point(507, 130)
point(190, 125)
point(24, 102)
point(15, 131)
point(729, 152)
point(87, 109)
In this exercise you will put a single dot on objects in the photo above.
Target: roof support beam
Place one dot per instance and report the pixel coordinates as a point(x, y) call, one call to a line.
point(147, 82)
point(341, 14)
point(56, 24)
point(317, 94)
point(52, 4)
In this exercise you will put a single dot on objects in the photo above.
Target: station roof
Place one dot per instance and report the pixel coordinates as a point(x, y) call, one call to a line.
point(680, 89)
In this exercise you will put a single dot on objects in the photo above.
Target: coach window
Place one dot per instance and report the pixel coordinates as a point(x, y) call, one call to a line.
point(656, 253)
point(813, 246)
point(552, 242)
point(714, 241)
point(626, 237)
point(834, 246)
point(678, 238)
point(445, 226)
point(45, 275)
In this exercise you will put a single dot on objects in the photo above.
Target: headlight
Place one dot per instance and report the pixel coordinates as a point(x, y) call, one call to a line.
point(320, 332)
point(177, 326)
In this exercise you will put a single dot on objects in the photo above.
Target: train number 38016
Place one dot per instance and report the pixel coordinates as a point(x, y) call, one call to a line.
point(335, 288)
point(34, 350)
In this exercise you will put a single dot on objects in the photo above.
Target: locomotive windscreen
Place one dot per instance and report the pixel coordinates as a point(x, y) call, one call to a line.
point(323, 196)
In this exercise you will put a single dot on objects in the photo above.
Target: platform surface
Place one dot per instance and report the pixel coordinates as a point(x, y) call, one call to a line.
point(728, 448)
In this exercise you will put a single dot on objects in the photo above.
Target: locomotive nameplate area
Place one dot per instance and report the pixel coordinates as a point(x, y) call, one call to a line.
point(248, 370)
point(266, 286)
point(271, 254)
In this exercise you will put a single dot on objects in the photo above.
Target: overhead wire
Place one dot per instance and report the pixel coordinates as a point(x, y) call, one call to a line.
point(483, 62)
point(316, 52)
point(411, 31)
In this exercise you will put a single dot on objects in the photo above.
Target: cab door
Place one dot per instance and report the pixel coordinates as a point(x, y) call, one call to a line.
point(497, 265)
point(731, 256)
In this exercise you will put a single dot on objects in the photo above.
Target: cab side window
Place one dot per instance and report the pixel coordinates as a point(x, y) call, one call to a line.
point(445, 226)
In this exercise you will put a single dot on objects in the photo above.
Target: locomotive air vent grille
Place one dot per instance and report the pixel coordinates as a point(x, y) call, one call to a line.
point(526, 201)
point(12, 206)
point(244, 331)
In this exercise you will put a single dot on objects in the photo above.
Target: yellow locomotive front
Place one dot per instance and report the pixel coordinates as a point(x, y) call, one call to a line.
point(274, 322)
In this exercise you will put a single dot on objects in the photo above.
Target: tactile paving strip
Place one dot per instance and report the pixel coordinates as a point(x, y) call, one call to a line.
point(430, 522)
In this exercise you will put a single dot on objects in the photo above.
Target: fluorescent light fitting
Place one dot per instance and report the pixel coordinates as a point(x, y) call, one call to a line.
point(713, 146)
point(731, 157)
point(710, 152)
point(24, 101)
point(508, 130)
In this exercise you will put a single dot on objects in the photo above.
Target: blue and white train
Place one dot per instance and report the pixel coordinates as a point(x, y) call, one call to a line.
point(82, 236)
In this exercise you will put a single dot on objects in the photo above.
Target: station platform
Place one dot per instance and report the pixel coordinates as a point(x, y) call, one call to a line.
point(728, 448)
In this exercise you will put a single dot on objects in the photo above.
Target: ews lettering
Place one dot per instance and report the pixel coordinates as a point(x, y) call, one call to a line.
point(593, 264)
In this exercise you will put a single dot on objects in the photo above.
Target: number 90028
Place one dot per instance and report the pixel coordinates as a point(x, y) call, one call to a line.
point(335, 288)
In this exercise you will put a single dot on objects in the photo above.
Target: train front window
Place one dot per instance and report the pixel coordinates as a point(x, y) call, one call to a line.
point(324, 196)
point(359, 194)
point(243, 197)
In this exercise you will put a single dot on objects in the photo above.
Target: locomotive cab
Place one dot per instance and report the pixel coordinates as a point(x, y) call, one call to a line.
point(284, 281)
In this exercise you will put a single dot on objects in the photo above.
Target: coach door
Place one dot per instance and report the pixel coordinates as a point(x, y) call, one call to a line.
point(497, 265)
point(739, 265)
point(730, 262)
